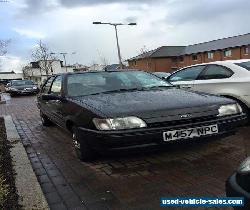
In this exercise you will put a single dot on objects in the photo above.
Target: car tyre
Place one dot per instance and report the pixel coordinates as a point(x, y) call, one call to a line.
point(45, 120)
point(82, 150)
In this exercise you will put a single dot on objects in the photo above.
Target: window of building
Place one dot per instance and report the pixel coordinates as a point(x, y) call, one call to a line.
point(135, 63)
point(227, 53)
point(210, 55)
point(194, 57)
point(181, 59)
point(215, 72)
point(174, 60)
point(246, 50)
point(187, 74)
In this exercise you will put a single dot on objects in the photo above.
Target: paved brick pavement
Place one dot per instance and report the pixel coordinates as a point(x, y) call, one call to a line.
point(132, 181)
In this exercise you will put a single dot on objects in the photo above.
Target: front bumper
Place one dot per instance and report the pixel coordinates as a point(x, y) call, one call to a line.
point(233, 189)
point(145, 137)
point(20, 92)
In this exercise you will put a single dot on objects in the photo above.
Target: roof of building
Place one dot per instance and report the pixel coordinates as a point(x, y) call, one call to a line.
point(10, 72)
point(219, 44)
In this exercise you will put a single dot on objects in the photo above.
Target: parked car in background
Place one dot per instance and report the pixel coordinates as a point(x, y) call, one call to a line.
point(238, 184)
point(116, 110)
point(162, 75)
point(229, 78)
point(21, 87)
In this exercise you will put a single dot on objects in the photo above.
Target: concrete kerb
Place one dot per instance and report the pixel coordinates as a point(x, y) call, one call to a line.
point(29, 190)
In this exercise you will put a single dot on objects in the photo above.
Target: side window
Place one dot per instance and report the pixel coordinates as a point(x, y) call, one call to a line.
point(190, 73)
point(46, 86)
point(215, 72)
point(56, 86)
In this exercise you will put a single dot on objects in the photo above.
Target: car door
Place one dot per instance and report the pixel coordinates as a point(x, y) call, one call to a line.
point(185, 77)
point(43, 105)
point(56, 105)
point(214, 79)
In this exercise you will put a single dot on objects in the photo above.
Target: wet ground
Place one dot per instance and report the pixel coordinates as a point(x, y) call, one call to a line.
point(128, 181)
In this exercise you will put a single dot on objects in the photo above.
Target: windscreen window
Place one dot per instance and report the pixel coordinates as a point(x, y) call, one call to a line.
point(245, 65)
point(93, 83)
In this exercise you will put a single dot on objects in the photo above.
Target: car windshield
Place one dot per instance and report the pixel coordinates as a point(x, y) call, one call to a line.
point(103, 82)
point(22, 82)
point(245, 65)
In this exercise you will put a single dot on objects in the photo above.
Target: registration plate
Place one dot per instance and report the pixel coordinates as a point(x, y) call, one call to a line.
point(190, 132)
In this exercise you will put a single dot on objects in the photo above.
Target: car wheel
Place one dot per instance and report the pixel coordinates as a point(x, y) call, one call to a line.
point(45, 120)
point(82, 150)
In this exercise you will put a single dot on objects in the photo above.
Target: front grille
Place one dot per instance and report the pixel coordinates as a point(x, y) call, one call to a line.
point(182, 121)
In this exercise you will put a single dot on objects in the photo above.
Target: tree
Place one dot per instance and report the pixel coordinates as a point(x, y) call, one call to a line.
point(3, 47)
point(145, 53)
point(27, 72)
point(104, 61)
point(43, 55)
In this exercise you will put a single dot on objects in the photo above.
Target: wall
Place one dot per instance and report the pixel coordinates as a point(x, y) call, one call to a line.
point(11, 76)
point(170, 64)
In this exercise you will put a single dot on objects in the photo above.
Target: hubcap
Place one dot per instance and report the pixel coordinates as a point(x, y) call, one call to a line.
point(75, 142)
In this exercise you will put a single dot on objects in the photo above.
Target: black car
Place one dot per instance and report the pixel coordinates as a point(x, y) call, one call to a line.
point(19, 87)
point(238, 184)
point(116, 110)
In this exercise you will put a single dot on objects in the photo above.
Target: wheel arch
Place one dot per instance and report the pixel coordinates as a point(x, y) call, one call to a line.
point(236, 98)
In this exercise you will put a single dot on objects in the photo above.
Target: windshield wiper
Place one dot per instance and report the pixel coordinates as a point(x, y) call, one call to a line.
point(118, 90)
point(160, 86)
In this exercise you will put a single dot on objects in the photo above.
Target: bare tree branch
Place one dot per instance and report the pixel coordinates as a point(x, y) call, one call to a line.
point(43, 54)
point(145, 53)
point(3, 46)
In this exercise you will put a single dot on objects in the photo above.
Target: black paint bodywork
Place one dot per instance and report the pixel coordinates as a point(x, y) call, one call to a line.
point(160, 109)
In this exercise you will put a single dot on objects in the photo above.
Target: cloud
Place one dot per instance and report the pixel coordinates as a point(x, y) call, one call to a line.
point(197, 11)
point(66, 25)
point(29, 33)
point(11, 63)
point(75, 3)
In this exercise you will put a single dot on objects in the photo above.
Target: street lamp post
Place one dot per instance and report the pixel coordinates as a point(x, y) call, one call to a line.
point(64, 57)
point(116, 34)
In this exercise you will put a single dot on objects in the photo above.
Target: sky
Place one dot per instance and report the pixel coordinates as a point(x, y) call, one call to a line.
point(66, 26)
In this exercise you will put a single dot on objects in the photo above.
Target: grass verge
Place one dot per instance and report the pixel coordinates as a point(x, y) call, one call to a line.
point(8, 194)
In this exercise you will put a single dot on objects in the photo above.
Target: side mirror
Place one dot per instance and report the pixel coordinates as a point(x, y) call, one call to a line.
point(48, 97)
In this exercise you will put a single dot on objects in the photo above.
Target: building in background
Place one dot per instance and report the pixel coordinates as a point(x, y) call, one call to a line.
point(96, 67)
point(171, 58)
point(6, 76)
point(38, 71)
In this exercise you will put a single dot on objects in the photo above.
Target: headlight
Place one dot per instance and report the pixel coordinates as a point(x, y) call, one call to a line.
point(229, 109)
point(119, 123)
point(244, 167)
point(34, 87)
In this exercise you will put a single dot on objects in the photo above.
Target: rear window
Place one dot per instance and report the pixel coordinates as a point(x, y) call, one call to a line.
point(245, 65)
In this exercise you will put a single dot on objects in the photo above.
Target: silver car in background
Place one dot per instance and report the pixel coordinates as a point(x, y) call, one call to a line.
point(229, 78)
